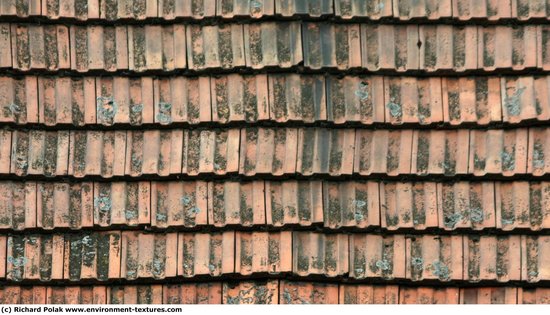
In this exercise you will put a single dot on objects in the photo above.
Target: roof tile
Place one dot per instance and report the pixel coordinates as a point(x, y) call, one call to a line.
point(92, 256)
point(268, 151)
point(197, 9)
point(148, 255)
point(218, 46)
point(428, 295)
point(445, 47)
point(484, 9)
point(5, 46)
point(64, 205)
point(352, 99)
point(492, 258)
point(413, 100)
point(257, 292)
point(39, 152)
point(294, 97)
point(390, 47)
point(374, 10)
point(534, 255)
point(434, 257)
point(20, 8)
point(34, 257)
point(240, 98)
point(120, 203)
point(17, 205)
point(523, 98)
point(153, 152)
point(99, 48)
point(351, 204)
point(331, 45)
point(293, 202)
point(529, 9)
point(507, 47)
point(325, 151)
point(471, 100)
point(321, 254)
point(132, 294)
point(377, 256)
point(156, 47)
point(533, 295)
point(192, 293)
point(273, 44)
point(210, 151)
point(498, 152)
point(178, 204)
point(81, 10)
point(125, 9)
point(494, 295)
point(236, 203)
point(5, 151)
point(522, 205)
point(206, 254)
point(383, 152)
point(253, 8)
point(313, 8)
point(432, 10)
point(408, 205)
point(259, 252)
point(182, 99)
point(466, 205)
point(308, 293)
point(40, 47)
point(369, 294)
point(18, 100)
point(538, 157)
point(94, 153)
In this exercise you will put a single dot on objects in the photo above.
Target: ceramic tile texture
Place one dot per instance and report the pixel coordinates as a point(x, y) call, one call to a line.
point(274, 151)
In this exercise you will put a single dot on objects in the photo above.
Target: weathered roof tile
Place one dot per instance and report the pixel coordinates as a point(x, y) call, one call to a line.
point(192, 293)
point(432, 10)
point(482, 9)
point(64, 205)
point(428, 295)
point(148, 255)
point(369, 294)
point(37, 257)
point(218, 46)
point(434, 257)
point(178, 204)
point(256, 292)
point(236, 203)
point(155, 47)
point(263, 252)
point(206, 254)
point(19, 100)
point(331, 45)
point(377, 256)
point(182, 99)
point(374, 10)
point(408, 205)
point(17, 205)
point(293, 202)
point(97, 153)
point(121, 203)
point(273, 44)
point(308, 293)
point(252, 8)
point(488, 295)
point(351, 204)
point(99, 48)
point(304, 7)
point(492, 258)
point(320, 254)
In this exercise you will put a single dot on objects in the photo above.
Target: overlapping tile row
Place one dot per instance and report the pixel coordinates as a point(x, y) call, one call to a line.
point(276, 151)
point(134, 255)
point(269, 292)
point(112, 10)
point(373, 47)
point(419, 205)
point(279, 98)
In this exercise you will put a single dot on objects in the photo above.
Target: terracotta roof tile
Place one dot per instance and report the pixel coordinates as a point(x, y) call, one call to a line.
point(390, 47)
point(533, 295)
point(81, 10)
point(324, 254)
point(258, 292)
point(35, 257)
point(253, 8)
point(434, 257)
point(307, 293)
point(94, 153)
point(261, 50)
point(494, 295)
point(507, 47)
point(369, 294)
point(294, 97)
point(5, 151)
point(377, 256)
point(176, 204)
point(236, 203)
point(206, 254)
point(64, 205)
point(351, 204)
point(20, 8)
point(409, 205)
point(215, 46)
point(155, 47)
point(303, 7)
point(467, 205)
point(92, 256)
point(153, 152)
point(535, 251)
point(325, 151)
point(445, 47)
point(428, 295)
point(258, 252)
point(240, 98)
point(408, 9)
point(99, 48)
point(19, 100)
point(119, 203)
point(192, 293)
point(538, 157)
point(522, 205)
point(40, 47)
point(352, 99)
point(17, 205)
point(182, 99)
point(525, 9)
point(383, 152)
point(210, 151)
point(492, 258)
point(348, 9)
point(135, 294)
point(294, 202)
point(148, 255)
point(498, 152)
point(412, 100)
point(124, 9)
point(266, 150)
point(5, 46)
point(484, 9)
point(331, 45)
